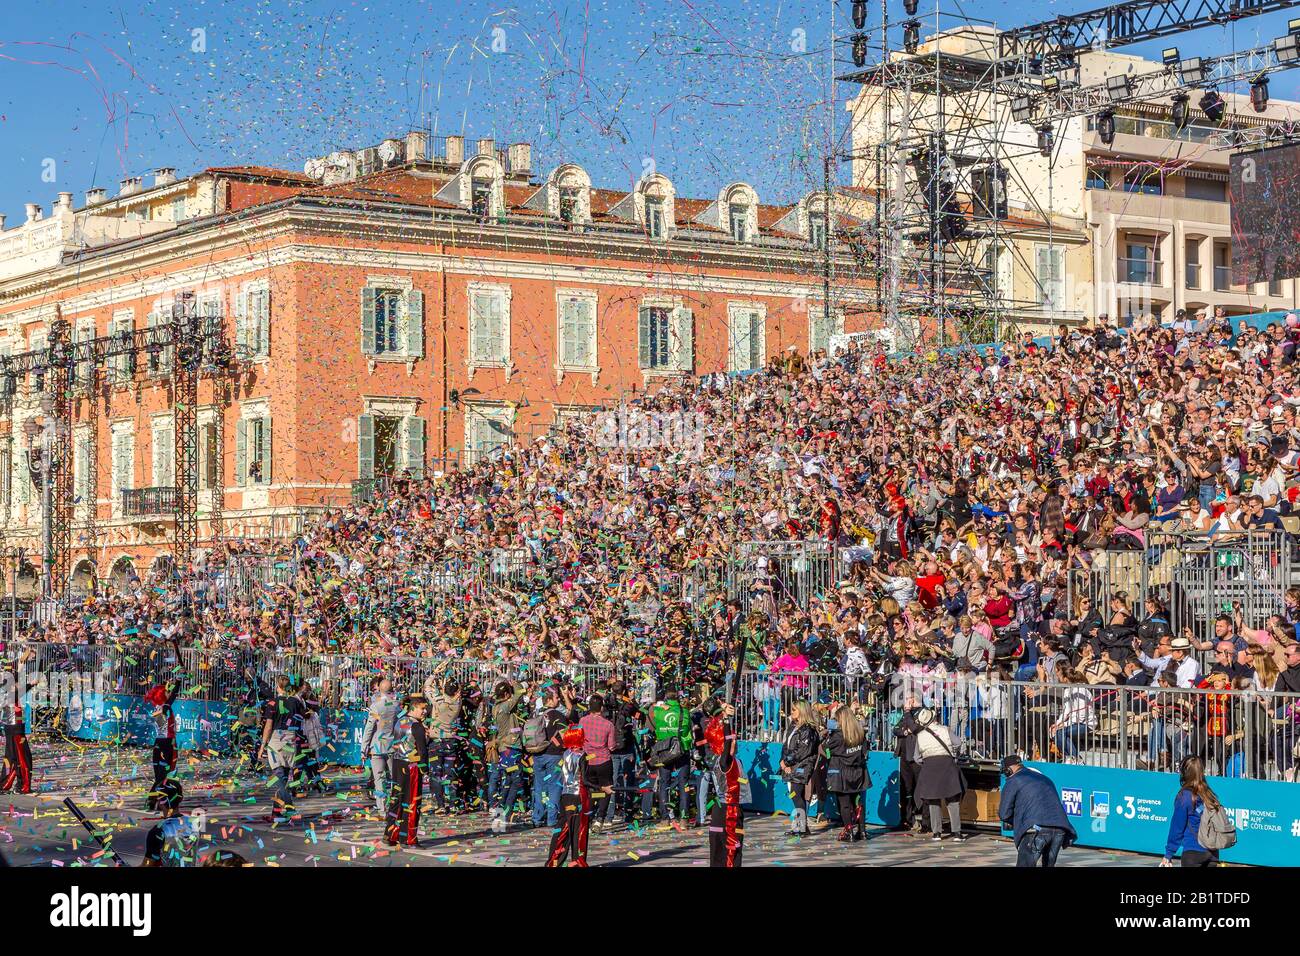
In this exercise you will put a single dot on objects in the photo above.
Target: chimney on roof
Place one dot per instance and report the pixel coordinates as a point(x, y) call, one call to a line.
point(455, 150)
point(96, 196)
point(520, 158)
point(33, 211)
point(64, 204)
point(164, 176)
point(129, 186)
point(391, 152)
point(417, 146)
point(487, 147)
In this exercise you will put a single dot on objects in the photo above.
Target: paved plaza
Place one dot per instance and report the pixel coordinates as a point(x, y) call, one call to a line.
point(341, 827)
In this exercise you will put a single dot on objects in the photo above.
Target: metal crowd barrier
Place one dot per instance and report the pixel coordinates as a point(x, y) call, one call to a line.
point(1245, 733)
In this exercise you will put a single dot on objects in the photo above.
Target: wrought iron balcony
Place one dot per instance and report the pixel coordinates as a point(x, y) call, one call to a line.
point(148, 502)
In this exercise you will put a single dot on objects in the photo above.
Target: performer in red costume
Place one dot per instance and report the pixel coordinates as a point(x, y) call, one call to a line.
point(570, 835)
point(726, 819)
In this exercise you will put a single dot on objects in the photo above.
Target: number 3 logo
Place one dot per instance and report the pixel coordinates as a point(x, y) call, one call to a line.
point(1129, 810)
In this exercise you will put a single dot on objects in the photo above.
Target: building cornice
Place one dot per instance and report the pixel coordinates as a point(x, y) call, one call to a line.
point(227, 233)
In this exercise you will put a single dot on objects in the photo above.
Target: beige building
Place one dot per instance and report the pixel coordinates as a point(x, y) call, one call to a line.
point(1140, 226)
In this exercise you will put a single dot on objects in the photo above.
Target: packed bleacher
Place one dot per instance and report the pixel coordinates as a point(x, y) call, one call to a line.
point(1080, 549)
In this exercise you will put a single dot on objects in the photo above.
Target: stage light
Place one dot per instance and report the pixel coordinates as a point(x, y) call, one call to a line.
point(1170, 56)
point(1259, 94)
point(1022, 109)
point(1293, 26)
point(1212, 105)
point(1287, 48)
point(1045, 140)
point(859, 14)
point(1118, 87)
point(1180, 112)
point(909, 7)
point(1192, 70)
point(1106, 126)
point(1051, 84)
point(911, 35)
point(859, 50)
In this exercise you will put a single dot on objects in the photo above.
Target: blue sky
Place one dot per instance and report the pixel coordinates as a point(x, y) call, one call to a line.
point(710, 91)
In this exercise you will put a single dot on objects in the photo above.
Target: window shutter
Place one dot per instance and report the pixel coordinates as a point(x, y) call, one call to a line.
point(643, 336)
point(568, 332)
point(684, 340)
point(754, 323)
point(584, 323)
point(415, 446)
point(500, 347)
point(478, 334)
point(369, 298)
point(262, 322)
point(366, 446)
point(264, 453)
point(243, 305)
point(494, 329)
point(241, 453)
point(415, 323)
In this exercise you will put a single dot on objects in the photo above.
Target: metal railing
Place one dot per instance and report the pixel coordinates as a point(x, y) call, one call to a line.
point(148, 502)
point(1242, 733)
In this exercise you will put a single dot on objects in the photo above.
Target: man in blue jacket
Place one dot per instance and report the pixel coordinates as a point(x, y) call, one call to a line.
point(1032, 809)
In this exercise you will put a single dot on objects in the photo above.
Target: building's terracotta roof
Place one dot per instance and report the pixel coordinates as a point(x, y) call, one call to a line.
point(260, 172)
point(401, 186)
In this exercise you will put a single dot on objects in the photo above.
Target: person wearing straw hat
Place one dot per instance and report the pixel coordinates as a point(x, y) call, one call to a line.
point(1184, 668)
point(940, 782)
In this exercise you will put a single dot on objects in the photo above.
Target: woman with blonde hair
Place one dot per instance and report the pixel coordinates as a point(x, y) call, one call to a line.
point(846, 771)
point(799, 762)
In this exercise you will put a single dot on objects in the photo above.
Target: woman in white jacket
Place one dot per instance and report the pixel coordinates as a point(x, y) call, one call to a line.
point(940, 782)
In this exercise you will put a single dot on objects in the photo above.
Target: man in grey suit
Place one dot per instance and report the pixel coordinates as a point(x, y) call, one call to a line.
point(377, 736)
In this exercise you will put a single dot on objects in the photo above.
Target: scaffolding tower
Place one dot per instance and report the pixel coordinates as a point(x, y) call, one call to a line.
point(961, 147)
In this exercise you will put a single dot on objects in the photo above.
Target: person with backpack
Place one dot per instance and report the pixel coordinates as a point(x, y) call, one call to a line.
point(542, 739)
point(625, 714)
point(669, 758)
point(1199, 826)
point(504, 753)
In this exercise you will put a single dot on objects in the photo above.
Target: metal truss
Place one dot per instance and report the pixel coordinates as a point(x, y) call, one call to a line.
point(1068, 101)
point(1124, 23)
point(198, 346)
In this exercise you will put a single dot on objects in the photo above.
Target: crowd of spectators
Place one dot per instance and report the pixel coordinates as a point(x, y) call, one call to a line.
point(955, 491)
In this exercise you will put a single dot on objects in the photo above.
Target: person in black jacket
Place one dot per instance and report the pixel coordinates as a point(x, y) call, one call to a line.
point(1031, 808)
point(798, 762)
point(909, 811)
point(846, 771)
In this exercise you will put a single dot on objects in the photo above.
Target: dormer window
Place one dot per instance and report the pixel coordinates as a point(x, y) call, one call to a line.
point(480, 199)
point(654, 218)
point(817, 230)
point(570, 198)
point(740, 223)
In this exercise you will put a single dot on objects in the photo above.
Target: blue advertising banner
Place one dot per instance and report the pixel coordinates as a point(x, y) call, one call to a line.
point(1130, 810)
point(769, 792)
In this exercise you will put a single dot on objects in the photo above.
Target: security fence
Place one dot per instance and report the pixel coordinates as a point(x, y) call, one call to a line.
point(767, 574)
point(1246, 733)
point(1250, 734)
point(1196, 577)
